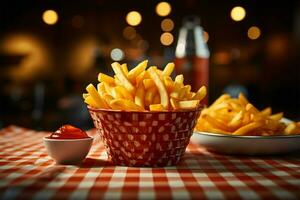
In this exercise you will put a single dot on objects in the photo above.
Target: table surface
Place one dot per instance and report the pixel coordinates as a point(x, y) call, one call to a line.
point(27, 172)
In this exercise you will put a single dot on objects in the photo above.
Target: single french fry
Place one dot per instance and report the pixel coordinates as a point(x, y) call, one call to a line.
point(123, 104)
point(122, 77)
point(149, 96)
point(168, 69)
point(252, 109)
point(85, 95)
point(267, 111)
point(191, 104)
point(201, 93)
point(248, 128)
point(117, 80)
point(132, 74)
point(140, 77)
point(89, 100)
point(164, 98)
point(140, 94)
point(96, 96)
point(169, 83)
point(236, 121)
point(243, 99)
point(106, 78)
point(179, 79)
point(101, 88)
point(124, 69)
point(277, 116)
point(156, 107)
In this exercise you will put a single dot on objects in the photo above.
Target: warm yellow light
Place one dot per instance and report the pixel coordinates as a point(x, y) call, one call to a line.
point(167, 24)
point(50, 17)
point(254, 32)
point(205, 36)
point(134, 18)
point(166, 39)
point(163, 9)
point(34, 64)
point(129, 33)
point(238, 13)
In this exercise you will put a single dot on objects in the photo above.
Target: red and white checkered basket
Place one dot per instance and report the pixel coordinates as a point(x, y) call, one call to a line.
point(145, 138)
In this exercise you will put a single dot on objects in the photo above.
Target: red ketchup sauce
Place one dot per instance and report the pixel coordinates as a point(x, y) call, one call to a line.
point(68, 132)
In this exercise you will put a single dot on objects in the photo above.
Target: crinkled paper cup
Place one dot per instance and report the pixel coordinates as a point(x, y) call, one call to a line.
point(145, 138)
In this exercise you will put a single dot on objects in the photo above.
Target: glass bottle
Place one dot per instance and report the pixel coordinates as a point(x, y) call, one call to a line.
point(192, 55)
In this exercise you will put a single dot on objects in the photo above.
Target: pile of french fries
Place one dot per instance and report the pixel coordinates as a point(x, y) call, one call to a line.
point(236, 116)
point(142, 89)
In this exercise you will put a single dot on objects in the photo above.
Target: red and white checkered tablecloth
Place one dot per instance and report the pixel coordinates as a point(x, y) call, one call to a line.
point(27, 172)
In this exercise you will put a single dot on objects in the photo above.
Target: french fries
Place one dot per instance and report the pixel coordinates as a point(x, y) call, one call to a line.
point(156, 107)
point(122, 77)
point(164, 98)
point(142, 89)
point(96, 96)
point(239, 117)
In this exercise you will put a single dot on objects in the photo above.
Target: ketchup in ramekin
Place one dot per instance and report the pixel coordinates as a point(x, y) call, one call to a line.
point(68, 132)
point(68, 145)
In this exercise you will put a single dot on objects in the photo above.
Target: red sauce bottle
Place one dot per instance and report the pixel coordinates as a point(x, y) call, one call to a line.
point(68, 132)
point(192, 55)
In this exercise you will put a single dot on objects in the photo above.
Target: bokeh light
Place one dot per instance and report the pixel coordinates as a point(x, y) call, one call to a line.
point(166, 39)
point(238, 13)
point(129, 32)
point(34, 64)
point(205, 36)
point(50, 17)
point(117, 54)
point(163, 9)
point(81, 56)
point(134, 18)
point(254, 32)
point(167, 24)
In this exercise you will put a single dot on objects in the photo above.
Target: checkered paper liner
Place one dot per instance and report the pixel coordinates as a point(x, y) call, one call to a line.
point(145, 138)
point(27, 172)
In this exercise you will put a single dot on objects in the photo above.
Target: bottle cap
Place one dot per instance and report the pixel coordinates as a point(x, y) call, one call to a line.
point(191, 21)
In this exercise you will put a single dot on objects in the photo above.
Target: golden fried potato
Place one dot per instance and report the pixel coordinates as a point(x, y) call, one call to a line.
point(142, 89)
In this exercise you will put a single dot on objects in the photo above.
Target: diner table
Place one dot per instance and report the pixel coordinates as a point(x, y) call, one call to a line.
point(27, 172)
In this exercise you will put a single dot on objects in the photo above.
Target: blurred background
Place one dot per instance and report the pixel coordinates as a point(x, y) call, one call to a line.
point(51, 49)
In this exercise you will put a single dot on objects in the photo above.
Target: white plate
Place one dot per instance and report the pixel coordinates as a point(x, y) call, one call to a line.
point(247, 145)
